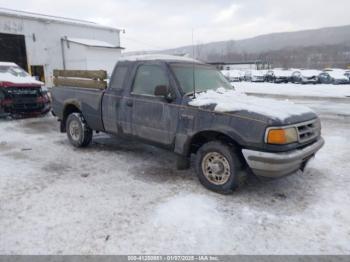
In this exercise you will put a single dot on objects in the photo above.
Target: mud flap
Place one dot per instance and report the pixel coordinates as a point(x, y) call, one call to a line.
point(62, 127)
point(305, 162)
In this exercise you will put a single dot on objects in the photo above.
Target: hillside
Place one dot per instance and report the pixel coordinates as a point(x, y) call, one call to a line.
point(316, 48)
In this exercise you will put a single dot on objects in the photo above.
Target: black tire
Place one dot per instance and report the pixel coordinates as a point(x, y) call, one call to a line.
point(235, 176)
point(79, 135)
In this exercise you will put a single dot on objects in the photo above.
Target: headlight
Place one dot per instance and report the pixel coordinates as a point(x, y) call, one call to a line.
point(281, 136)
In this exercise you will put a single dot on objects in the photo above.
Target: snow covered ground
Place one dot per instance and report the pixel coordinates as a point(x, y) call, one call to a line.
point(295, 90)
point(120, 197)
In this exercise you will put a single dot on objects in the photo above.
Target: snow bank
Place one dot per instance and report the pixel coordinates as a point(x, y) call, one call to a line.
point(230, 101)
point(293, 90)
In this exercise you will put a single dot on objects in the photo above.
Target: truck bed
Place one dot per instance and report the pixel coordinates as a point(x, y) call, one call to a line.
point(89, 101)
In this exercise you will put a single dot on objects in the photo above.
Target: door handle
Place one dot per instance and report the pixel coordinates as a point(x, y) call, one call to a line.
point(129, 103)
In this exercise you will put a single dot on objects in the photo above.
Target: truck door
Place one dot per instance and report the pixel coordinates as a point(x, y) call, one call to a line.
point(151, 115)
point(114, 116)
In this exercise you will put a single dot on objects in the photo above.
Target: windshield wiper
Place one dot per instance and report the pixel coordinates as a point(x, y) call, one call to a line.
point(192, 93)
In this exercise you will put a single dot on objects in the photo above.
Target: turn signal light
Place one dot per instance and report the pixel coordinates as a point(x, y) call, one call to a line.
point(282, 136)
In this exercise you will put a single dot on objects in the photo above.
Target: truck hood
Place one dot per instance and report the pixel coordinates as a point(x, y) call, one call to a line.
point(264, 109)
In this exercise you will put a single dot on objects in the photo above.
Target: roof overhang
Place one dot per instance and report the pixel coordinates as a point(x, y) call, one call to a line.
point(53, 19)
point(92, 43)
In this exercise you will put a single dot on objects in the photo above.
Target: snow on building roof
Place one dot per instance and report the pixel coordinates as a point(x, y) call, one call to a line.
point(57, 19)
point(149, 57)
point(92, 42)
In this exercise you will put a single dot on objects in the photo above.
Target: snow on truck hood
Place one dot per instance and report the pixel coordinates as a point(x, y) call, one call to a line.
point(230, 101)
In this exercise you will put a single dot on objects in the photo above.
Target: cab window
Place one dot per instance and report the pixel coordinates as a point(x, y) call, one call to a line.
point(147, 78)
point(118, 78)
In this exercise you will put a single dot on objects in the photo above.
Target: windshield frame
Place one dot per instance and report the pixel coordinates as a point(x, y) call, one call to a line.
point(187, 64)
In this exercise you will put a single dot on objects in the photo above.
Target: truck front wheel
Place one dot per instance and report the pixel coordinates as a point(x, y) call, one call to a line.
point(79, 134)
point(219, 167)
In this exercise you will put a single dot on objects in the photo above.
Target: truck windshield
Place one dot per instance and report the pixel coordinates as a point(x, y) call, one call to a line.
point(206, 78)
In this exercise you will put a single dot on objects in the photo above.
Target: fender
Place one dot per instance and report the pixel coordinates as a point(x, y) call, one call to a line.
point(183, 141)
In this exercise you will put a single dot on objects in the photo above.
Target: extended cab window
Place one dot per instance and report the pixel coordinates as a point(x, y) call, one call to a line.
point(119, 77)
point(147, 78)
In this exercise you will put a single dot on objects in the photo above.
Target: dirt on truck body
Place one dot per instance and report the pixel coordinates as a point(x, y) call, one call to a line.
point(188, 107)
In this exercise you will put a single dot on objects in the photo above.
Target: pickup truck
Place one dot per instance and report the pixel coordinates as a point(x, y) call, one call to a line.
point(189, 107)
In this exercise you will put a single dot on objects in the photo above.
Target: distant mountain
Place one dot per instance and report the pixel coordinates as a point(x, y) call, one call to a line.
point(309, 48)
point(271, 42)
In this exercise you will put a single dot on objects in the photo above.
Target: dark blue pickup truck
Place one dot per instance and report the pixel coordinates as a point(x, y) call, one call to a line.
point(188, 107)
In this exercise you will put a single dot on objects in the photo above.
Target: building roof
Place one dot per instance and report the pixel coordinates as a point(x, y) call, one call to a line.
point(92, 43)
point(50, 18)
point(149, 57)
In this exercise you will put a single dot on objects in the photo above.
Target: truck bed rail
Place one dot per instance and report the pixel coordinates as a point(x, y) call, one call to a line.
point(80, 78)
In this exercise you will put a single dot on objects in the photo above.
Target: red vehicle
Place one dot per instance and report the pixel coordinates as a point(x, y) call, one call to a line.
point(20, 93)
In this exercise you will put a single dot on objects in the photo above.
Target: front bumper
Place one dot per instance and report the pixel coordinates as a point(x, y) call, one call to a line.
point(33, 109)
point(280, 164)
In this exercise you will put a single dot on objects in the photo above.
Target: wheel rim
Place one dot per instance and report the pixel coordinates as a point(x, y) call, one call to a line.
point(74, 130)
point(216, 168)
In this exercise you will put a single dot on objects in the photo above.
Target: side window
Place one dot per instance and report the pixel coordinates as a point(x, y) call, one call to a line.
point(147, 78)
point(118, 78)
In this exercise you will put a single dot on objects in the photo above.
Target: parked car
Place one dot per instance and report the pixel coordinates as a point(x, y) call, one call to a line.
point(153, 99)
point(347, 73)
point(279, 76)
point(233, 75)
point(269, 76)
point(21, 94)
point(336, 77)
point(254, 76)
point(305, 76)
point(282, 76)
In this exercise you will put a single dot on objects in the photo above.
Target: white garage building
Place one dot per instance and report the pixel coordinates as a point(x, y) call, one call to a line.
point(42, 43)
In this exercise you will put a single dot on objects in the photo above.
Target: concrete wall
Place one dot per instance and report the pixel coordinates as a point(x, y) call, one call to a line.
point(43, 42)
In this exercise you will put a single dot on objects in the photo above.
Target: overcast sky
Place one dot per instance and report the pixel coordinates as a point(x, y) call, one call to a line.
point(162, 24)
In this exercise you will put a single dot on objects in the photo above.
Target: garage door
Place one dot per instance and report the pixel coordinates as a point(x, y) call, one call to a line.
point(13, 49)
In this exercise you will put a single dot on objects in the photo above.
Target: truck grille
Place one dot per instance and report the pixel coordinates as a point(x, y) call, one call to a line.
point(308, 131)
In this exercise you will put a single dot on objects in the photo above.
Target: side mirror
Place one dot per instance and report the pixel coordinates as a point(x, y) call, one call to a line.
point(163, 91)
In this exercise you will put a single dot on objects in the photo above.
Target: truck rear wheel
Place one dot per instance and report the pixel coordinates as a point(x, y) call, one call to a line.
point(78, 132)
point(219, 167)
